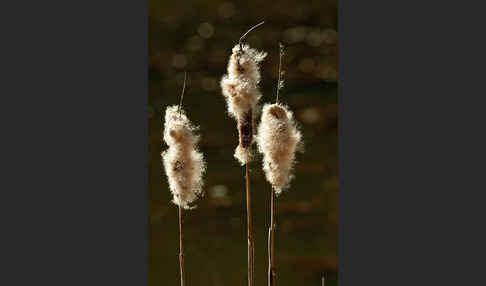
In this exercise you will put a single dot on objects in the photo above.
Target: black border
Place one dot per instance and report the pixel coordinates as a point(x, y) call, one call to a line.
point(74, 144)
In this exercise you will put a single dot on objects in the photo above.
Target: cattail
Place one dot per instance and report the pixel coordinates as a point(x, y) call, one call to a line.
point(240, 88)
point(184, 164)
point(278, 138)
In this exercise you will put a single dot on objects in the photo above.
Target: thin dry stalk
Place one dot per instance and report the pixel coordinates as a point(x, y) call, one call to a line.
point(182, 93)
point(279, 82)
point(251, 247)
point(323, 281)
point(271, 230)
point(181, 249)
point(271, 242)
point(181, 244)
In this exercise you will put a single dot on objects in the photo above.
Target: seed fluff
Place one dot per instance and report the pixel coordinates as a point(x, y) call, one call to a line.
point(184, 164)
point(278, 139)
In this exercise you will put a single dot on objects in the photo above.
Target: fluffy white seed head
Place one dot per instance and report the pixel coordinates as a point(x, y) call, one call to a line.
point(240, 89)
point(240, 84)
point(184, 164)
point(244, 63)
point(278, 139)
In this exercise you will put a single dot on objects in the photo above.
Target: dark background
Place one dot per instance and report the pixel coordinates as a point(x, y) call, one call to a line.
point(198, 36)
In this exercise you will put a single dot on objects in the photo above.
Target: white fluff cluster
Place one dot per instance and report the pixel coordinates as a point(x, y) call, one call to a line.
point(240, 89)
point(184, 164)
point(278, 138)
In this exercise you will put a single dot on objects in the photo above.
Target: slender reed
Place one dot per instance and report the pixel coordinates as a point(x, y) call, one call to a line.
point(277, 139)
point(184, 165)
point(271, 242)
point(181, 249)
point(240, 88)
point(181, 242)
point(271, 229)
point(251, 246)
point(322, 281)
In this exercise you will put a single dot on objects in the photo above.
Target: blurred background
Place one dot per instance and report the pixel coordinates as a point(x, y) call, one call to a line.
point(198, 36)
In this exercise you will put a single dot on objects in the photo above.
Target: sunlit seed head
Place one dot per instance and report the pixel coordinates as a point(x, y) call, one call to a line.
point(278, 139)
point(184, 164)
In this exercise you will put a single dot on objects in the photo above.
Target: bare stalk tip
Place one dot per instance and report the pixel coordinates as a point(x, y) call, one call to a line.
point(182, 94)
point(280, 72)
point(245, 34)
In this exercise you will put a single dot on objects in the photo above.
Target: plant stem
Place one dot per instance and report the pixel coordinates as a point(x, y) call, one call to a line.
point(182, 93)
point(271, 242)
point(251, 251)
point(271, 229)
point(181, 248)
point(279, 72)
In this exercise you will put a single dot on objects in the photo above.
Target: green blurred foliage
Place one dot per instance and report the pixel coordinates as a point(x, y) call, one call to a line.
point(198, 36)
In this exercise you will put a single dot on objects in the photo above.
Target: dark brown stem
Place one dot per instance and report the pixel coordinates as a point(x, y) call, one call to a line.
point(245, 130)
point(181, 249)
point(271, 242)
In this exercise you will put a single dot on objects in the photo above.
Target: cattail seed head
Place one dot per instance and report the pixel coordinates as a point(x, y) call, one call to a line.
point(240, 89)
point(184, 164)
point(278, 139)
